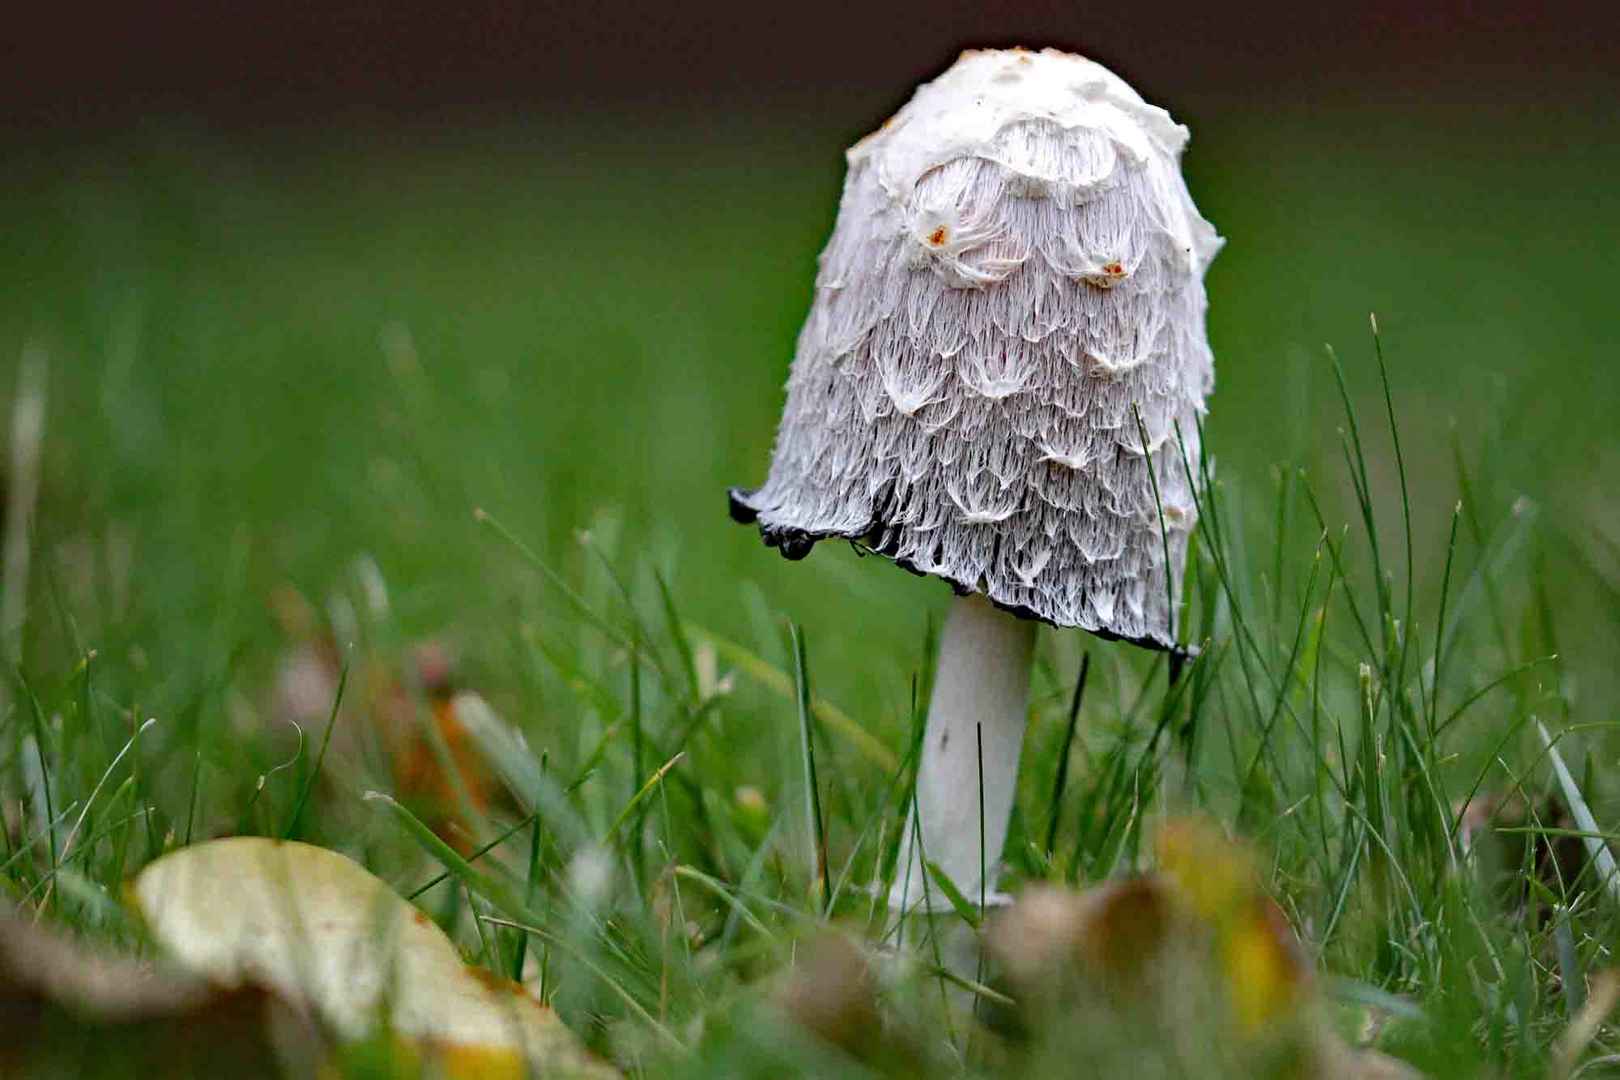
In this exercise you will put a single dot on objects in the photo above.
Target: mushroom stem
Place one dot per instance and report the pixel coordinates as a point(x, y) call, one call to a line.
point(976, 720)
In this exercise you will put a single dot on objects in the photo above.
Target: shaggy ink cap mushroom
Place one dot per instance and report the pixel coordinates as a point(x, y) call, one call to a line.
point(1016, 273)
point(1007, 335)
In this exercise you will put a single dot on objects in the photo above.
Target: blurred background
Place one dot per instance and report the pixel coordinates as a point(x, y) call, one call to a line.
point(313, 281)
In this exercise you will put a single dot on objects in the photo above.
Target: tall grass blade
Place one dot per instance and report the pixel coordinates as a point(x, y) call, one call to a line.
point(807, 748)
point(1062, 778)
point(320, 757)
point(1596, 850)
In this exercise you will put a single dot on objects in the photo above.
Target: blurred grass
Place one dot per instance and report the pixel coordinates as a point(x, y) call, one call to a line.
point(306, 358)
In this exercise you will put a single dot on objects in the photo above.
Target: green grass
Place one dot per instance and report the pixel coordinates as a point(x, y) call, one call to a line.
point(306, 361)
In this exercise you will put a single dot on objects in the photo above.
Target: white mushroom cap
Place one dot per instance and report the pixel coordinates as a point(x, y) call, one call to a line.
point(1016, 272)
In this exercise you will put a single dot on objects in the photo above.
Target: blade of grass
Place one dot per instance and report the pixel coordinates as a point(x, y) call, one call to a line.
point(1440, 625)
point(474, 856)
point(485, 885)
point(807, 749)
point(1592, 837)
point(734, 901)
point(1406, 501)
point(576, 601)
point(37, 716)
point(953, 895)
point(320, 756)
point(1062, 778)
point(640, 796)
point(531, 883)
point(683, 644)
point(772, 677)
point(590, 965)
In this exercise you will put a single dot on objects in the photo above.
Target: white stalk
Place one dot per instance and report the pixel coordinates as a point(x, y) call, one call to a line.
point(975, 732)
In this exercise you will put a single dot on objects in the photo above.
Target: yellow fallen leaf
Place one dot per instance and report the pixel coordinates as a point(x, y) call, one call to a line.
point(1216, 876)
point(1266, 976)
point(318, 929)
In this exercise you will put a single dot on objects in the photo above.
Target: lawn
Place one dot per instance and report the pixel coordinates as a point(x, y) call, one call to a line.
point(316, 399)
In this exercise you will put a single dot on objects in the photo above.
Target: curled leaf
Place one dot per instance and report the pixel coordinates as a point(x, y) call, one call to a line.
point(317, 929)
